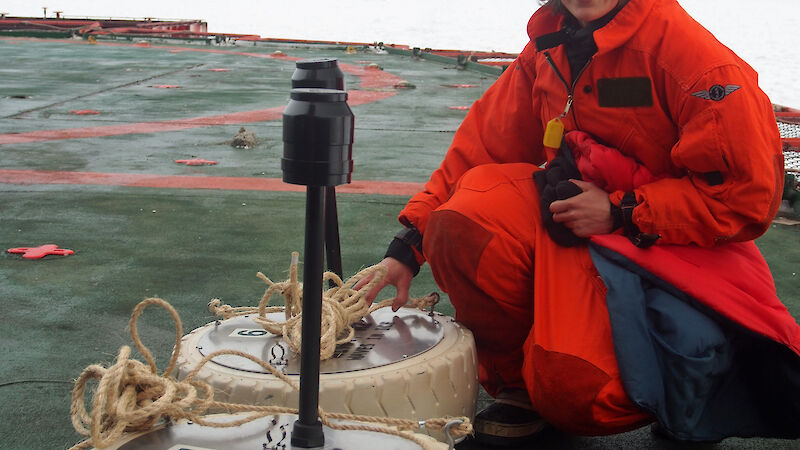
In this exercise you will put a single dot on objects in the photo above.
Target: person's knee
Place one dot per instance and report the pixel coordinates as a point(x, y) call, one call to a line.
point(453, 241)
point(491, 210)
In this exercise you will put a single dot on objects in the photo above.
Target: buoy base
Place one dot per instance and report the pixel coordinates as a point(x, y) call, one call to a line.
point(270, 433)
point(307, 436)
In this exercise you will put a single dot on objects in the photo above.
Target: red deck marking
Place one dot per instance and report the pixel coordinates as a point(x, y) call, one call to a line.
point(195, 162)
point(34, 177)
point(372, 79)
point(262, 115)
point(459, 108)
point(84, 112)
point(460, 85)
point(378, 85)
point(165, 86)
point(41, 251)
point(219, 70)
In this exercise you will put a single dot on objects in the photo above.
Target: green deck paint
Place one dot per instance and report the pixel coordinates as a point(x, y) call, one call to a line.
point(142, 225)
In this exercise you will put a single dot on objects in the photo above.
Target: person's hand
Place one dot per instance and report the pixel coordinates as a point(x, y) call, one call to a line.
point(397, 274)
point(587, 213)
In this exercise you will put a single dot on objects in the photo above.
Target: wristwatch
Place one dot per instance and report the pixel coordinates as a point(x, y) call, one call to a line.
point(639, 239)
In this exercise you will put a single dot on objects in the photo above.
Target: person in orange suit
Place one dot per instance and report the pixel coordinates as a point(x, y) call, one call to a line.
point(672, 160)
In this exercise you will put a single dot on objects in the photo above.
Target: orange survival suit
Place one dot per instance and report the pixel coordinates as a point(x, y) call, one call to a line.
point(660, 89)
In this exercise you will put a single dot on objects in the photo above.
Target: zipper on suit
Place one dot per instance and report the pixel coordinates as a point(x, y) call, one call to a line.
point(570, 89)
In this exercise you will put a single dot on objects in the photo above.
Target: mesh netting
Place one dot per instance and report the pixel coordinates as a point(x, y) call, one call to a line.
point(791, 161)
point(789, 130)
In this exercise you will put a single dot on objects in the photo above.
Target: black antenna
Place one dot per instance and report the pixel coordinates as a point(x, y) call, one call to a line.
point(317, 153)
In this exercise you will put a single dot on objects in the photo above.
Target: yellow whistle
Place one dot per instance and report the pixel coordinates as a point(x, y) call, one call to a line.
point(552, 138)
point(553, 133)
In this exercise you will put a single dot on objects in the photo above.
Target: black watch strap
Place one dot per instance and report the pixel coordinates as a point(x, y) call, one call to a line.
point(616, 217)
point(639, 239)
point(626, 211)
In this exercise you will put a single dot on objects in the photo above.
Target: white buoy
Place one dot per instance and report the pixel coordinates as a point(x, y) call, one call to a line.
point(406, 365)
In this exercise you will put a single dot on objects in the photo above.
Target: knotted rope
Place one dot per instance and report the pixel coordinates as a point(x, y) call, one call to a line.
point(342, 306)
point(131, 397)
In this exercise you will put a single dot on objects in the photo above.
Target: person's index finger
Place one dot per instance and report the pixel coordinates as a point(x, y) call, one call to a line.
point(363, 282)
point(559, 206)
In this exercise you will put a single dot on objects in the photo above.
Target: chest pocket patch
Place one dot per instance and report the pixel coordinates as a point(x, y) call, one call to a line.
point(624, 92)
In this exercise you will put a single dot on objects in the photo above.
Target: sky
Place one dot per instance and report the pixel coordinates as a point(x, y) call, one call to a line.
point(764, 35)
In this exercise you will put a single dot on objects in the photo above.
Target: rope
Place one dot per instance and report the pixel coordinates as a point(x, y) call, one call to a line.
point(342, 306)
point(131, 397)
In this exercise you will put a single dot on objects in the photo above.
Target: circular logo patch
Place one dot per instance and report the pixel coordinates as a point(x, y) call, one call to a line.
point(716, 92)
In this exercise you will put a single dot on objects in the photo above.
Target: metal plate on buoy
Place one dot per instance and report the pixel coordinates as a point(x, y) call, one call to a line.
point(268, 433)
point(382, 338)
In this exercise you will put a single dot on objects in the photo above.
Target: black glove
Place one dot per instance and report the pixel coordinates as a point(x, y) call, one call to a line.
point(553, 184)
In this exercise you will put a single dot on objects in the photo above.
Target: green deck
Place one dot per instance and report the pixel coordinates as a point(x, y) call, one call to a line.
point(188, 246)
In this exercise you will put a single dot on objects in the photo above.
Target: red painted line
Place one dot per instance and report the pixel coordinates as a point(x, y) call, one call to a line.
point(262, 115)
point(371, 78)
point(377, 85)
point(142, 127)
point(196, 162)
point(40, 177)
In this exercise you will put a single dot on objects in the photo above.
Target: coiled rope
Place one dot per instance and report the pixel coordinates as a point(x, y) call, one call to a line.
point(342, 306)
point(131, 397)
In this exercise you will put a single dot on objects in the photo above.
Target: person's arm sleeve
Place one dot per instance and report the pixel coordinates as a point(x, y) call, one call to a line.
point(730, 151)
point(503, 126)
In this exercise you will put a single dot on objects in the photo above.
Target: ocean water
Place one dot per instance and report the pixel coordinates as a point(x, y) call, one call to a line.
point(764, 33)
